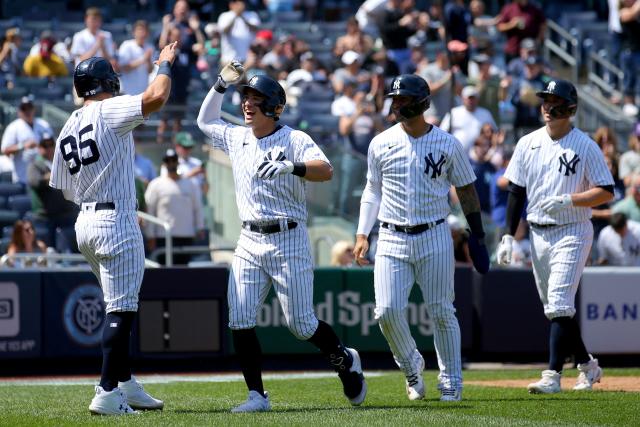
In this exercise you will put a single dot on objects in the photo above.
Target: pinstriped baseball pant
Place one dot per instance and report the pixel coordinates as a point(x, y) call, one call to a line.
point(426, 259)
point(111, 241)
point(559, 255)
point(282, 259)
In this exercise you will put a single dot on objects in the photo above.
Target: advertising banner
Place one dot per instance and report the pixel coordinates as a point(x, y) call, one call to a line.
point(20, 315)
point(610, 309)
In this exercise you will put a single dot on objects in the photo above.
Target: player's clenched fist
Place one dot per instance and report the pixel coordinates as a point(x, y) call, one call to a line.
point(555, 204)
point(360, 249)
point(504, 250)
point(231, 73)
point(168, 53)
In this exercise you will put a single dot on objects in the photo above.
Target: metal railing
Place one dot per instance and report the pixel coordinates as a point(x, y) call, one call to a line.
point(167, 235)
point(604, 75)
point(196, 250)
point(562, 44)
point(43, 260)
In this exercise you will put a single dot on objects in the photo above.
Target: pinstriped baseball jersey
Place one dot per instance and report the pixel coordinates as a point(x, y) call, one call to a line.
point(95, 153)
point(262, 200)
point(547, 168)
point(94, 159)
point(416, 174)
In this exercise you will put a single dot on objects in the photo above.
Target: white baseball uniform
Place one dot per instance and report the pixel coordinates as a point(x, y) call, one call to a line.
point(561, 242)
point(280, 258)
point(620, 250)
point(94, 160)
point(412, 178)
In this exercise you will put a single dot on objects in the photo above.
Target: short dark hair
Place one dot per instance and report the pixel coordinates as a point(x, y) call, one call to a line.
point(618, 221)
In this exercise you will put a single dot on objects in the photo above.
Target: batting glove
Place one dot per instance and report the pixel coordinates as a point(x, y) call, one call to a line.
point(231, 73)
point(504, 250)
point(555, 204)
point(269, 169)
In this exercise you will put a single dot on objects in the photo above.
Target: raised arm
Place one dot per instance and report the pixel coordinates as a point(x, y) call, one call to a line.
point(210, 109)
point(156, 95)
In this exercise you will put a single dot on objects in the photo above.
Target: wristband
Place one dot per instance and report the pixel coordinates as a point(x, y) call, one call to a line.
point(220, 85)
point(299, 169)
point(475, 224)
point(165, 68)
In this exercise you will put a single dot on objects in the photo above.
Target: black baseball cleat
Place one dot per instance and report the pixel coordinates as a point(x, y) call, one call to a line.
point(353, 382)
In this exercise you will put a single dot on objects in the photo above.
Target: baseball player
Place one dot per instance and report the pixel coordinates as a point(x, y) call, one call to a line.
point(94, 166)
point(563, 174)
point(411, 167)
point(270, 164)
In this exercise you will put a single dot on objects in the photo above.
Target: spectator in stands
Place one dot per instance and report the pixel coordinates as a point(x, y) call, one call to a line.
point(175, 200)
point(49, 206)
point(516, 68)
point(355, 40)
point(441, 78)
point(188, 25)
point(21, 138)
point(619, 242)
point(630, 160)
point(352, 70)
point(144, 169)
point(518, 20)
point(490, 91)
point(211, 51)
point(45, 63)
point(237, 27)
point(465, 121)
point(342, 254)
point(260, 46)
point(615, 47)
point(524, 99)
point(23, 240)
point(188, 166)
point(59, 48)
point(134, 60)
point(498, 147)
point(606, 139)
point(630, 205)
point(483, 25)
point(459, 55)
point(484, 171)
point(499, 194)
point(601, 215)
point(630, 21)
point(275, 59)
point(93, 41)
point(368, 15)
point(275, 6)
point(457, 19)
point(10, 65)
point(398, 22)
point(181, 74)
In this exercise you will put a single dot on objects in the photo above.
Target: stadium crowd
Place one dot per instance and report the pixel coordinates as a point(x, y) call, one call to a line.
point(483, 71)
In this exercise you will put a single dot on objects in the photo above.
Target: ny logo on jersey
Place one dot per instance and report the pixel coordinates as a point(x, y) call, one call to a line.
point(569, 165)
point(435, 166)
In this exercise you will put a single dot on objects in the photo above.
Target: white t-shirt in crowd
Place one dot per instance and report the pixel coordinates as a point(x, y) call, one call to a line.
point(84, 40)
point(18, 132)
point(135, 81)
point(343, 106)
point(467, 124)
point(235, 44)
point(618, 250)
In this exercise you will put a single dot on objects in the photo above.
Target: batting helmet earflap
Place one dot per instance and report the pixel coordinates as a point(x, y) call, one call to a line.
point(565, 90)
point(415, 87)
point(93, 76)
point(271, 90)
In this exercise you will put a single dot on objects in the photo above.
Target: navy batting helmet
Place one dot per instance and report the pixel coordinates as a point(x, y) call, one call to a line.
point(564, 90)
point(415, 87)
point(271, 90)
point(93, 76)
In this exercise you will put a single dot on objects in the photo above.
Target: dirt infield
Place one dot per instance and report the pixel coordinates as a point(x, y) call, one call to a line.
point(631, 384)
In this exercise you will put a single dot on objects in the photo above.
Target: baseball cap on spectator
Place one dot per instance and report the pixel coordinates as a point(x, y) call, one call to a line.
point(184, 139)
point(528, 44)
point(170, 154)
point(533, 60)
point(26, 103)
point(47, 140)
point(469, 91)
point(307, 56)
point(266, 35)
point(457, 46)
point(46, 44)
point(349, 57)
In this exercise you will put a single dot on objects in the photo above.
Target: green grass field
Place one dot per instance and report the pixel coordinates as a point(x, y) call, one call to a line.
point(312, 402)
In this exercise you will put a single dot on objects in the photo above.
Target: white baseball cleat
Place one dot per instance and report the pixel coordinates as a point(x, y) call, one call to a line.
point(414, 383)
point(112, 402)
point(590, 373)
point(137, 398)
point(255, 403)
point(450, 395)
point(550, 383)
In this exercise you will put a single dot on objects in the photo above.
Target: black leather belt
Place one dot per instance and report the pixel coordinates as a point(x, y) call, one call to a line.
point(268, 228)
point(533, 224)
point(416, 229)
point(105, 206)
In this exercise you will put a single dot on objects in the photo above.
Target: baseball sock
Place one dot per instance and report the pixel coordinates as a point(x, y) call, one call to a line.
point(560, 339)
point(115, 349)
point(249, 355)
point(329, 344)
point(579, 350)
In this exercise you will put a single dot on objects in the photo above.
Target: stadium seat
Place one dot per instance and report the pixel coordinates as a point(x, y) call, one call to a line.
point(12, 95)
point(20, 203)
point(6, 177)
point(7, 230)
point(3, 202)
point(307, 108)
point(4, 245)
point(11, 189)
point(290, 119)
point(8, 217)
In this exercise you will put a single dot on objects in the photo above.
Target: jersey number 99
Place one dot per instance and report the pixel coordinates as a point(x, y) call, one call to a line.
point(74, 155)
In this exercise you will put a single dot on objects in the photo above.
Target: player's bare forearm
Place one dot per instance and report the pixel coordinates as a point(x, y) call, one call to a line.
point(468, 199)
point(318, 171)
point(592, 197)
